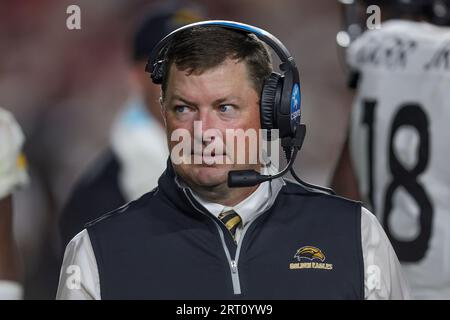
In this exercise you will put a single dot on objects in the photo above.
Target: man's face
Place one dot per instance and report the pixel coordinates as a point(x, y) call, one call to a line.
point(221, 98)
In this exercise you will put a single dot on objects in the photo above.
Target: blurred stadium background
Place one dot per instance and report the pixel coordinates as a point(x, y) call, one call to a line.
point(65, 86)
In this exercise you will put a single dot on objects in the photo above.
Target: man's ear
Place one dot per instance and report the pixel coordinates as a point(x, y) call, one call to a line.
point(163, 109)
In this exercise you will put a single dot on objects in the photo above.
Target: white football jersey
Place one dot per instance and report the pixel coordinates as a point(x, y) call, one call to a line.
point(400, 144)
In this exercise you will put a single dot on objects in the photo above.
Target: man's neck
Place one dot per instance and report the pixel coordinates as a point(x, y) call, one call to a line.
point(224, 195)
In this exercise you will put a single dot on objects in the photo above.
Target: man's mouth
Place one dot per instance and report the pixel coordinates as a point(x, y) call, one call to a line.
point(209, 154)
point(208, 158)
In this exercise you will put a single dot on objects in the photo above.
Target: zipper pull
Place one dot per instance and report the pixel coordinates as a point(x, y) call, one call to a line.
point(234, 268)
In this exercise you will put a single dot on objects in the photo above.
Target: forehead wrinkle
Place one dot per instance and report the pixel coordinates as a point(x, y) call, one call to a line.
point(211, 86)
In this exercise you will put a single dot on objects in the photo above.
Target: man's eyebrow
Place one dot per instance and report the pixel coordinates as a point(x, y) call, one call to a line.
point(215, 102)
point(177, 97)
point(226, 99)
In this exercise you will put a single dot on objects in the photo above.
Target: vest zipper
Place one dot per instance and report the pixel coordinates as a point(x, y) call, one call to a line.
point(232, 263)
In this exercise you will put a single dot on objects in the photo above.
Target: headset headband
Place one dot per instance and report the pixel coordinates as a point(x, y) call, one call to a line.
point(263, 35)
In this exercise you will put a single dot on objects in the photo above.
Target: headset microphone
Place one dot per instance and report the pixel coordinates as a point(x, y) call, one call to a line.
point(248, 178)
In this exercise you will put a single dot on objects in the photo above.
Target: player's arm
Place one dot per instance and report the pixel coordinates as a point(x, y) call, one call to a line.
point(9, 257)
point(344, 181)
point(12, 175)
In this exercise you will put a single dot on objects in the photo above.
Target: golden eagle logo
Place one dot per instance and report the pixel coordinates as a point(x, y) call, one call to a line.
point(310, 253)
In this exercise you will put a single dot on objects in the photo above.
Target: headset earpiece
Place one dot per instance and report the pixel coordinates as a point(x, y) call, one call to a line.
point(158, 72)
point(270, 101)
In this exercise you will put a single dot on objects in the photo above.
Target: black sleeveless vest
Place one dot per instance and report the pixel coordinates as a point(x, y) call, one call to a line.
point(167, 246)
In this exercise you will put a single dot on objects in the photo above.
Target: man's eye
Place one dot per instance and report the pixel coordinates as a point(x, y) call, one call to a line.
point(181, 109)
point(225, 108)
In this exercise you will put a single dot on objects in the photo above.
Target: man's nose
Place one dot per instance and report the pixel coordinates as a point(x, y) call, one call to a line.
point(207, 120)
point(209, 127)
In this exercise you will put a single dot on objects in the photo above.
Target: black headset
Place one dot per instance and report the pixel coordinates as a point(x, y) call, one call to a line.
point(280, 96)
